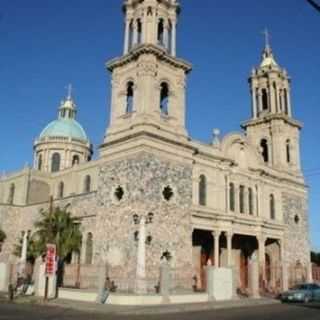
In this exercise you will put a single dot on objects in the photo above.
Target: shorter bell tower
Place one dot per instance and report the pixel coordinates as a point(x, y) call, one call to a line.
point(272, 128)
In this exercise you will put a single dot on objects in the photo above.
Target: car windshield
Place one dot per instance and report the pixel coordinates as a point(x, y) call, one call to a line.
point(301, 287)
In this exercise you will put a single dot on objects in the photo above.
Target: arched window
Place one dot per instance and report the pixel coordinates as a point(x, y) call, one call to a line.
point(264, 150)
point(61, 190)
point(265, 104)
point(12, 191)
point(40, 162)
point(241, 199)
point(75, 160)
point(286, 105)
point(202, 190)
point(139, 30)
point(89, 248)
point(87, 184)
point(55, 162)
point(288, 151)
point(129, 97)
point(164, 98)
point(272, 207)
point(232, 204)
point(250, 201)
point(130, 39)
point(161, 32)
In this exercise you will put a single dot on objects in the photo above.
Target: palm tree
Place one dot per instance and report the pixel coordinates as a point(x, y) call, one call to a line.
point(58, 228)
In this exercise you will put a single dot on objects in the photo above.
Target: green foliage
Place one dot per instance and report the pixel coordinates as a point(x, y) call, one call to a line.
point(315, 258)
point(2, 235)
point(33, 250)
point(58, 228)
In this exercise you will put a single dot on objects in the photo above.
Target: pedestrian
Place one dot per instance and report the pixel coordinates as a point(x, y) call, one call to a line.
point(106, 290)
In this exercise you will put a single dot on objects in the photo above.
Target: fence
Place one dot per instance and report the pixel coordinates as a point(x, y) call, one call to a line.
point(316, 273)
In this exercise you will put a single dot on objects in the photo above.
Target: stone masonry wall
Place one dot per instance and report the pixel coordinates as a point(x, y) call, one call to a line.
point(143, 178)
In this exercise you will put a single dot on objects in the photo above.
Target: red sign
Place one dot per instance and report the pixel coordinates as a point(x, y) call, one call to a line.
point(51, 259)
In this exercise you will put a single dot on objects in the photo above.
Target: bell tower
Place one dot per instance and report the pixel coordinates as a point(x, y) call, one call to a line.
point(148, 80)
point(272, 128)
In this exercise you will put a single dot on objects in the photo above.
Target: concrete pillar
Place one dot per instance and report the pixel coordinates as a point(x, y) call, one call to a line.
point(289, 102)
point(260, 100)
point(284, 265)
point(229, 236)
point(216, 235)
point(166, 35)
point(126, 37)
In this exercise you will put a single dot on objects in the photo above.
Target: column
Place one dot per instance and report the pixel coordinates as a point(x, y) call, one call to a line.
point(166, 35)
point(289, 102)
point(135, 33)
point(173, 38)
point(229, 236)
point(262, 256)
point(226, 181)
point(285, 281)
point(126, 37)
point(254, 104)
point(260, 100)
point(216, 235)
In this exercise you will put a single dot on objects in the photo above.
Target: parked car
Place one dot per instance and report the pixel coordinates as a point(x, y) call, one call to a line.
point(305, 292)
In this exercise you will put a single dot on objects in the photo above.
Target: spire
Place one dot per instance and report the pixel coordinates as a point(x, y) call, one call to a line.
point(68, 108)
point(268, 59)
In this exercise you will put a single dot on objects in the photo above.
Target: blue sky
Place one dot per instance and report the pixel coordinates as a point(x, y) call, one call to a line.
point(44, 45)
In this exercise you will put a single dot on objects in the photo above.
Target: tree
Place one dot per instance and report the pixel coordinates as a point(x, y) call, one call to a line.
point(315, 258)
point(58, 228)
point(33, 248)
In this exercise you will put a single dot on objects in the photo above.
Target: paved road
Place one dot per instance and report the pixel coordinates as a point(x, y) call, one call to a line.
point(274, 312)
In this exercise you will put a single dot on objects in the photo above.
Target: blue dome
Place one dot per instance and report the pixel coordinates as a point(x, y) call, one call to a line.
point(69, 128)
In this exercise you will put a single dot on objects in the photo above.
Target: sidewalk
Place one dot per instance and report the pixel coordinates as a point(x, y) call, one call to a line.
point(142, 310)
point(160, 309)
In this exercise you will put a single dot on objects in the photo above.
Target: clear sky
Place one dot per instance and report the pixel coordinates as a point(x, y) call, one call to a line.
point(44, 45)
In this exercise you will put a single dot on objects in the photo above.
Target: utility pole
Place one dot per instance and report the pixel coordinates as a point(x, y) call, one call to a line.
point(315, 4)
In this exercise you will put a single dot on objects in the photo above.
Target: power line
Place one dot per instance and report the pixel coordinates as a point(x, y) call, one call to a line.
point(314, 4)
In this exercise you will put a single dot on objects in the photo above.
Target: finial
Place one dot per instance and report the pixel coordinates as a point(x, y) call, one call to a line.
point(216, 137)
point(69, 88)
point(267, 38)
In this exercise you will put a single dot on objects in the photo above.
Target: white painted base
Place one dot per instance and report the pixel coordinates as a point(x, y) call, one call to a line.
point(220, 283)
point(40, 288)
point(4, 276)
point(131, 300)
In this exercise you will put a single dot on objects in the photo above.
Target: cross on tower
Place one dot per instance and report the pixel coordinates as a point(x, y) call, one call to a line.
point(267, 37)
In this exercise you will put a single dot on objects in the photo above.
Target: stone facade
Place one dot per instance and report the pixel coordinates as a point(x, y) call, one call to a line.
point(242, 196)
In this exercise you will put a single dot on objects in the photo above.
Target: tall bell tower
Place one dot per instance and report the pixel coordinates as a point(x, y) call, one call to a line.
point(148, 80)
point(272, 128)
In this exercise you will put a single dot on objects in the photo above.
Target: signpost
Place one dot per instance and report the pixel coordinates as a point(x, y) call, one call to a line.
point(50, 266)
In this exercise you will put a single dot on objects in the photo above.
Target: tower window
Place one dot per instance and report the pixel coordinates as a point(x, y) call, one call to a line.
point(75, 160)
point(232, 197)
point(61, 190)
point(264, 150)
point(164, 98)
point(161, 32)
point(250, 201)
point(130, 39)
point(241, 199)
point(280, 99)
point(272, 207)
point(139, 30)
point(170, 37)
point(40, 162)
point(87, 184)
point(288, 153)
point(265, 104)
point(11, 193)
point(55, 162)
point(203, 190)
point(286, 107)
point(129, 97)
point(257, 101)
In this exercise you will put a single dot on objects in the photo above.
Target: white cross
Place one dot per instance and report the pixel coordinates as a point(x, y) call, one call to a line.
point(267, 37)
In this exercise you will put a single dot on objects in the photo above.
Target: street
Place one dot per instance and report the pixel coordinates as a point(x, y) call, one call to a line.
point(273, 312)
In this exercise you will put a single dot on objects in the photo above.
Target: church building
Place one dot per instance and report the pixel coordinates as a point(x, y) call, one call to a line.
point(239, 198)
